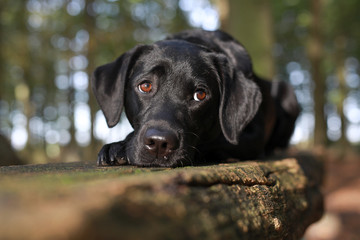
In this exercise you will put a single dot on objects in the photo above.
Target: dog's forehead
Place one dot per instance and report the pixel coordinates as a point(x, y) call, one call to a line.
point(179, 57)
point(179, 47)
point(174, 51)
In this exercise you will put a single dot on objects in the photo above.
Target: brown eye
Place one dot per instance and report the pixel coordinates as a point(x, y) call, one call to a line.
point(199, 95)
point(145, 87)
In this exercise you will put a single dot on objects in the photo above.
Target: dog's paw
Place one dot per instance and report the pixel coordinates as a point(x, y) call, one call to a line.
point(112, 154)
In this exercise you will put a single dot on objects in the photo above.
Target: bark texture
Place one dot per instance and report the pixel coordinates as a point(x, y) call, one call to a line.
point(275, 199)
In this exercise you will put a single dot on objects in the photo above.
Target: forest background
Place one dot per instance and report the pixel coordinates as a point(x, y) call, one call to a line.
point(49, 49)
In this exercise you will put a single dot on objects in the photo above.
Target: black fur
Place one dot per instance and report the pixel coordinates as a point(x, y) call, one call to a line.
point(242, 116)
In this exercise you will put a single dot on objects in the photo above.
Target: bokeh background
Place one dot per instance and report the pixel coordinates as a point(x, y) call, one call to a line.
point(49, 49)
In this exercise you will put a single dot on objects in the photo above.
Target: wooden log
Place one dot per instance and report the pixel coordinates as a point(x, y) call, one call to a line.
point(274, 199)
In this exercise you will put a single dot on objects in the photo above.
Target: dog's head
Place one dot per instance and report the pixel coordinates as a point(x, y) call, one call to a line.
point(177, 95)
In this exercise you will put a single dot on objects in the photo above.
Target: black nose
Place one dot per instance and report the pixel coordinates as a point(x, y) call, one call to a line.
point(160, 143)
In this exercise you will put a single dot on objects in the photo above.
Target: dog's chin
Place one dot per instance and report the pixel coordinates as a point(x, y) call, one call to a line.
point(156, 164)
point(172, 161)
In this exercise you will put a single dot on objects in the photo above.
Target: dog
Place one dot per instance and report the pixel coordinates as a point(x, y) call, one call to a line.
point(192, 98)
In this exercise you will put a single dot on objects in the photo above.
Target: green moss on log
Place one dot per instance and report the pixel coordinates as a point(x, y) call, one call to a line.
point(274, 199)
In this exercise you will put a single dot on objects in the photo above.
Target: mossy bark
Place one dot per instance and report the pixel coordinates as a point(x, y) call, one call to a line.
point(274, 199)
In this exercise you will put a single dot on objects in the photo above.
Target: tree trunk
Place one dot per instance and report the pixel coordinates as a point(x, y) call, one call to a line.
point(340, 72)
point(2, 62)
point(7, 154)
point(245, 200)
point(316, 55)
point(257, 39)
point(89, 23)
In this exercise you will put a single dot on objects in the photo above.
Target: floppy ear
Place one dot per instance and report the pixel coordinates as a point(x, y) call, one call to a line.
point(239, 101)
point(108, 83)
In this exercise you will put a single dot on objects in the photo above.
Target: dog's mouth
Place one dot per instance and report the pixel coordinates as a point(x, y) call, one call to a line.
point(177, 158)
point(163, 164)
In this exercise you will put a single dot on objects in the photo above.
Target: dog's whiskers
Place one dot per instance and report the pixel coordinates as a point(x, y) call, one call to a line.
point(186, 157)
point(193, 147)
point(194, 134)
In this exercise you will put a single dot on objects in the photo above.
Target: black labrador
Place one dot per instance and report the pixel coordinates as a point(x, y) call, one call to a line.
point(192, 98)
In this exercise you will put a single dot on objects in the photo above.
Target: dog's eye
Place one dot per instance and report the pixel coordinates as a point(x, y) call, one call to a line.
point(199, 95)
point(145, 87)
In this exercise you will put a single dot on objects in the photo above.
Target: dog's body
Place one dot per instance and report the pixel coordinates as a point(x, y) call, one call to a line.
point(190, 97)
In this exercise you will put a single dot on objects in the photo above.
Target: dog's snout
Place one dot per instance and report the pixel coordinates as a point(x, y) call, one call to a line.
point(160, 143)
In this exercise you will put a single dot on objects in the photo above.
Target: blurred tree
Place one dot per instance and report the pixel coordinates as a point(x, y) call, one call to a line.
point(7, 155)
point(250, 22)
point(316, 56)
point(311, 42)
point(342, 46)
point(2, 80)
point(49, 50)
